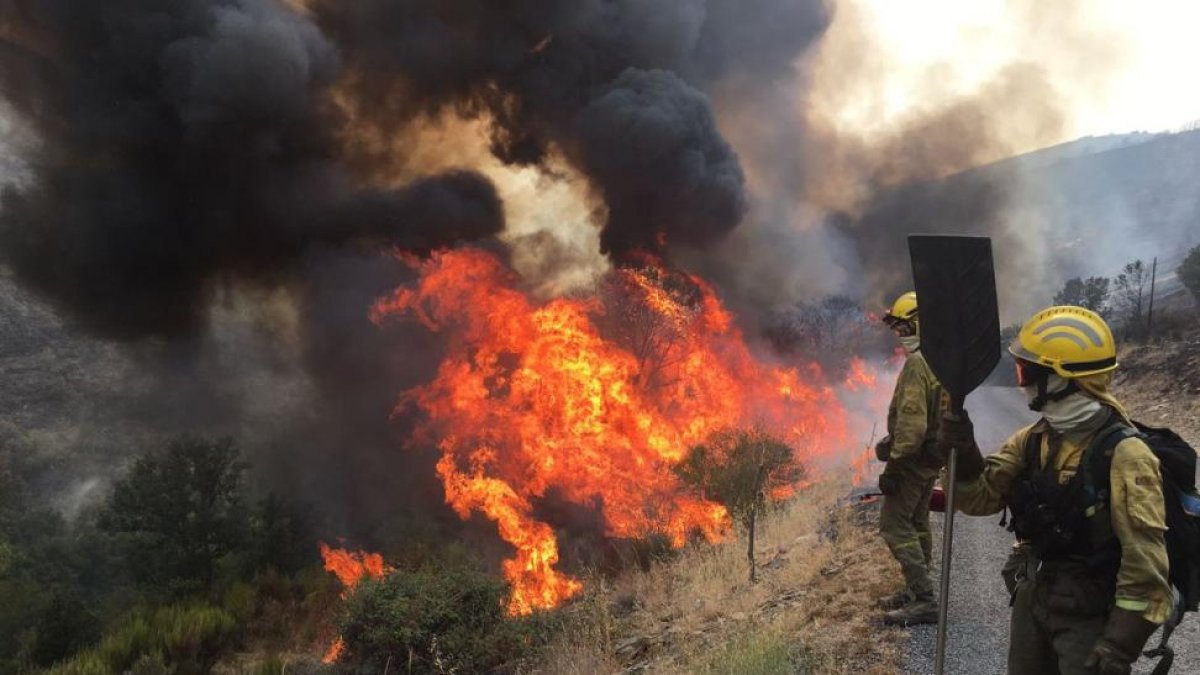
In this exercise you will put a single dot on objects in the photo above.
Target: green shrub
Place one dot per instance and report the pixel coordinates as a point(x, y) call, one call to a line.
point(178, 639)
point(122, 648)
point(432, 620)
point(241, 601)
point(150, 664)
point(193, 638)
point(758, 654)
point(87, 663)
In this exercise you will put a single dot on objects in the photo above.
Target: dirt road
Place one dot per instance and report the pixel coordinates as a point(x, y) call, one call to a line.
point(978, 636)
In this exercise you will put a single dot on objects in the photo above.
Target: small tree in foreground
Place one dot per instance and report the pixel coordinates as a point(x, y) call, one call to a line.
point(1189, 272)
point(738, 469)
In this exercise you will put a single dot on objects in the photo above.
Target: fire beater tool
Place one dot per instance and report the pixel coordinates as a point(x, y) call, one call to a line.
point(955, 282)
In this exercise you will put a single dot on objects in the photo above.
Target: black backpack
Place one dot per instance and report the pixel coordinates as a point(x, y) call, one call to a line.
point(1177, 461)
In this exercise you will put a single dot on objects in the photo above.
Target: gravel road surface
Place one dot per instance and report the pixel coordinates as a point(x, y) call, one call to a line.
point(977, 640)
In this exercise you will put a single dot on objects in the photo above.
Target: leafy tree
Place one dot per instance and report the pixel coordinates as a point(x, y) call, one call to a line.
point(738, 469)
point(1091, 293)
point(52, 572)
point(1189, 272)
point(178, 512)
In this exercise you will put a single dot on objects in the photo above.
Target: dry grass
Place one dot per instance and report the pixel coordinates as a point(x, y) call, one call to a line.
point(811, 612)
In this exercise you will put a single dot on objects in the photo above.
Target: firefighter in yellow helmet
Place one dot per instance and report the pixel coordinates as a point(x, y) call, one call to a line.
point(913, 463)
point(1088, 574)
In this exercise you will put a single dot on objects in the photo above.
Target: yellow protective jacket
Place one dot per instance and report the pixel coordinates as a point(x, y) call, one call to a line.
point(1137, 510)
point(915, 410)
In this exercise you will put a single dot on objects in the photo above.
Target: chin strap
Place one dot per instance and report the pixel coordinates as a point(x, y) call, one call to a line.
point(1043, 397)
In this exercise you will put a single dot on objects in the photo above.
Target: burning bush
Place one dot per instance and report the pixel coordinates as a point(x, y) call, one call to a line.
point(448, 618)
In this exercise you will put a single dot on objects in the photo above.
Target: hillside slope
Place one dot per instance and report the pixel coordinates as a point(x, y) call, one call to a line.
point(812, 611)
point(1160, 383)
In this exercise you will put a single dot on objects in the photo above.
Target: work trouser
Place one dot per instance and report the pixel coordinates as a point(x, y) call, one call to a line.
point(904, 522)
point(1058, 614)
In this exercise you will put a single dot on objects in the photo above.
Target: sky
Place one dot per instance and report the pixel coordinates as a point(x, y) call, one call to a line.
point(1120, 65)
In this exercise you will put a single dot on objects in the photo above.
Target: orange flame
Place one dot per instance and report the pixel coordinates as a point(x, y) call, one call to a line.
point(334, 652)
point(595, 398)
point(870, 382)
point(860, 377)
point(861, 467)
point(350, 567)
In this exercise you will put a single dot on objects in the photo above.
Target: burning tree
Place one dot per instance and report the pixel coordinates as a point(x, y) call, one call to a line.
point(647, 311)
point(558, 396)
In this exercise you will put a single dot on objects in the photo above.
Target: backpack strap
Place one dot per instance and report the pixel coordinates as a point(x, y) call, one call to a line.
point(1097, 459)
point(1033, 453)
point(1033, 447)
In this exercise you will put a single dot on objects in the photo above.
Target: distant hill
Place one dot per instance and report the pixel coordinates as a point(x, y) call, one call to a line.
point(1083, 208)
point(1132, 200)
point(1079, 148)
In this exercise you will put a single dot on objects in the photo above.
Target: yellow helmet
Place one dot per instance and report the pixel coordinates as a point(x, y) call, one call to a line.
point(904, 309)
point(1072, 341)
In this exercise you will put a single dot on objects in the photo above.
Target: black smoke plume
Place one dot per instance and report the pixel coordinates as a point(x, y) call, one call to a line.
point(189, 147)
point(188, 141)
point(616, 87)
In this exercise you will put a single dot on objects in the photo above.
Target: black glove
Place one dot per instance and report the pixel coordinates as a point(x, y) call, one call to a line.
point(883, 449)
point(1124, 636)
point(956, 431)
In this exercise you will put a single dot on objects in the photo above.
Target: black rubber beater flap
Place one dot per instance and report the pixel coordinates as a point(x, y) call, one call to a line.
point(957, 309)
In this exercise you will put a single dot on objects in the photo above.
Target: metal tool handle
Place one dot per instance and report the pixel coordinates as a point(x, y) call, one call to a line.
point(939, 659)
